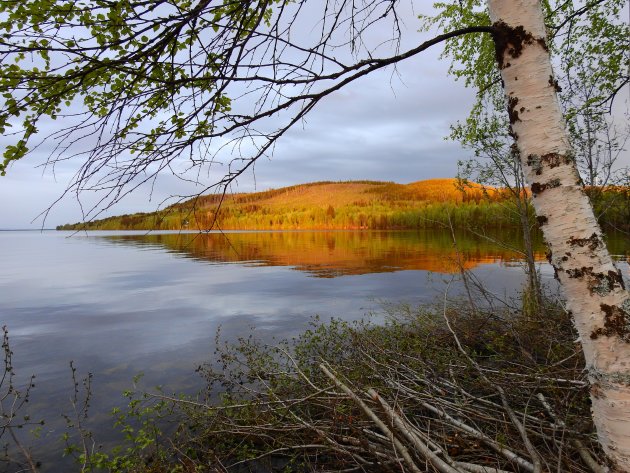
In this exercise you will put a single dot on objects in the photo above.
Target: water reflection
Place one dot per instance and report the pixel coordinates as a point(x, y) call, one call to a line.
point(119, 304)
point(329, 254)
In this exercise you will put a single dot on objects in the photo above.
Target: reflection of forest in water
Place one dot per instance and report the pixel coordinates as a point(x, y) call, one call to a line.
point(337, 253)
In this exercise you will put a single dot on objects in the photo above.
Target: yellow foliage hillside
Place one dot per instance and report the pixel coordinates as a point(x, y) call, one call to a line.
point(323, 194)
point(327, 205)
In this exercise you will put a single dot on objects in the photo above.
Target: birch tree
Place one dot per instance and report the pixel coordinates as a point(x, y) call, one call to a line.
point(593, 287)
point(139, 85)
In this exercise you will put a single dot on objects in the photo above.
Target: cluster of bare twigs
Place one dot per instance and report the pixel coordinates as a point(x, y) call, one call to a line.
point(13, 413)
point(85, 449)
point(466, 393)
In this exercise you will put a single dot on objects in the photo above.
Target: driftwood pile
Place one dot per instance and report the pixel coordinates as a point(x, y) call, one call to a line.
point(437, 392)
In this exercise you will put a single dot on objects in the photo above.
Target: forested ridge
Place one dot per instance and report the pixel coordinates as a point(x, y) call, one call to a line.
point(352, 205)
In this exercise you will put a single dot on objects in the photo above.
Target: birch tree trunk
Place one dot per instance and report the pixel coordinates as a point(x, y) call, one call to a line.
point(593, 287)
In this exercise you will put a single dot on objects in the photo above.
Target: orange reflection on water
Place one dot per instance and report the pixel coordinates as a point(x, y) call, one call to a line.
point(338, 253)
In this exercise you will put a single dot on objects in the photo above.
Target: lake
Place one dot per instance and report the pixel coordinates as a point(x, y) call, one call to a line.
point(119, 304)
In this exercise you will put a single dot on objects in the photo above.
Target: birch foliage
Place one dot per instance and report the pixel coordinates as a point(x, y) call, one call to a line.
point(589, 46)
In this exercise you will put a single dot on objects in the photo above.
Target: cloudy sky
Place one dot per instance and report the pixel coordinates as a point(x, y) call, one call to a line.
point(383, 127)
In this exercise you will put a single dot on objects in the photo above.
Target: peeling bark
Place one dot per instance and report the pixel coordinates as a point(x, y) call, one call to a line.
point(592, 285)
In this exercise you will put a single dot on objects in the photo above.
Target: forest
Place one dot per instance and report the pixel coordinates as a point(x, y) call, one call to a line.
point(356, 205)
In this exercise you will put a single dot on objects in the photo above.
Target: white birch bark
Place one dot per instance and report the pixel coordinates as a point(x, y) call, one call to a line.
point(592, 285)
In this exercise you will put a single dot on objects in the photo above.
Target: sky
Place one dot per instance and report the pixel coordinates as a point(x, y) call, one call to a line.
point(387, 126)
point(373, 130)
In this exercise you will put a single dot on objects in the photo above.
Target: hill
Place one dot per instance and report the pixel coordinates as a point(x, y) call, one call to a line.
point(352, 205)
point(326, 205)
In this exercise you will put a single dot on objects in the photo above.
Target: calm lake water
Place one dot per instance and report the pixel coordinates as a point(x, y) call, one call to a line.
point(123, 303)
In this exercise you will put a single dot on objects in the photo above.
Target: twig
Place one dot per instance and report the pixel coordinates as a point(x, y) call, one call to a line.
point(472, 468)
point(536, 461)
point(511, 456)
point(381, 425)
point(27, 456)
point(577, 443)
point(405, 429)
